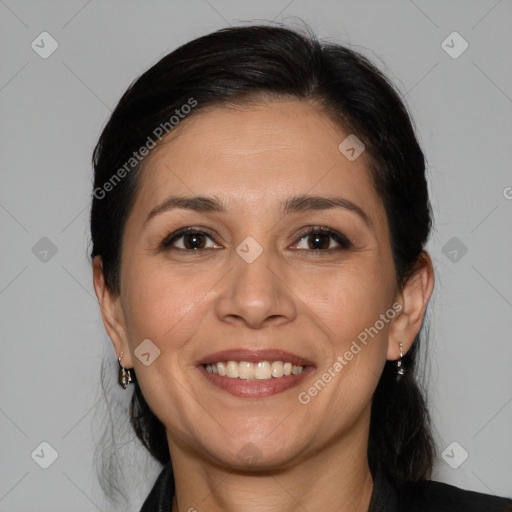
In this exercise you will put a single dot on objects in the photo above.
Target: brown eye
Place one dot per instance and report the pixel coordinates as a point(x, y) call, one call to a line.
point(322, 240)
point(319, 241)
point(189, 239)
point(194, 241)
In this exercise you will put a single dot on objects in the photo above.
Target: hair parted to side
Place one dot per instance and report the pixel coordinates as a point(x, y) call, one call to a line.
point(234, 66)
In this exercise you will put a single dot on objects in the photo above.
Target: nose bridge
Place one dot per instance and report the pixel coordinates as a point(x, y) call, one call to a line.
point(256, 258)
point(254, 292)
point(254, 283)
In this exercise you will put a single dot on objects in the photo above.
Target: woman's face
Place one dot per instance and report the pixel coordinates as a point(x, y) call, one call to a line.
point(254, 280)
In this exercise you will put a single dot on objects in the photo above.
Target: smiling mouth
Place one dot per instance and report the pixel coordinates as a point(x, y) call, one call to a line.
point(259, 371)
point(254, 380)
point(249, 373)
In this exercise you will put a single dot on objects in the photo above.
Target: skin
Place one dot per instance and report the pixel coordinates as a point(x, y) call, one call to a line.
point(311, 302)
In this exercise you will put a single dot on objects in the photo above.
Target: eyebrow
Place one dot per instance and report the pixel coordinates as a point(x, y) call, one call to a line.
point(307, 203)
point(296, 204)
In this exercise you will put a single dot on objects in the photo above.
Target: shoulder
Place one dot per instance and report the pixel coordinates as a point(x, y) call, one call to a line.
point(428, 495)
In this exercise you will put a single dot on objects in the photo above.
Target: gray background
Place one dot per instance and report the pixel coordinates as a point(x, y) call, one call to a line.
point(53, 342)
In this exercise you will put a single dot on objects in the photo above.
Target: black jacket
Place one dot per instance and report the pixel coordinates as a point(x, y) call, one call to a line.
point(425, 496)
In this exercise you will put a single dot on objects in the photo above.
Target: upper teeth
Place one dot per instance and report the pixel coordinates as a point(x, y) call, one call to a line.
point(262, 370)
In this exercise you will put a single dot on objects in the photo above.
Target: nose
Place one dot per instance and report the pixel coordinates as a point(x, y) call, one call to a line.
point(255, 293)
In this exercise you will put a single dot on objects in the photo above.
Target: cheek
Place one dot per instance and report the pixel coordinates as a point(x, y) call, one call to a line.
point(352, 306)
point(158, 299)
point(350, 299)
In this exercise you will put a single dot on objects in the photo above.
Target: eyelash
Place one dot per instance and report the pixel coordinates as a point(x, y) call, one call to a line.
point(342, 240)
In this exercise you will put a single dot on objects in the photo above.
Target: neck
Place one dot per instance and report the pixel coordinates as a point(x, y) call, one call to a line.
point(336, 477)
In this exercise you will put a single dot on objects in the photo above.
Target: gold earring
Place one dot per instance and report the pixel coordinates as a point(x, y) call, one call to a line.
point(399, 367)
point(125, 375)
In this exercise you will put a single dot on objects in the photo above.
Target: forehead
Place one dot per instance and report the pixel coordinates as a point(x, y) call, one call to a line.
point(257, 155)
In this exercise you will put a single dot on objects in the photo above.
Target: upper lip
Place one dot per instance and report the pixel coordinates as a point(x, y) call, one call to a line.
point(254, 356)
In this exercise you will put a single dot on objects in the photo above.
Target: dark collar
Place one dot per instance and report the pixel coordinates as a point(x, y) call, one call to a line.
point(160, 497)
point(384, 494)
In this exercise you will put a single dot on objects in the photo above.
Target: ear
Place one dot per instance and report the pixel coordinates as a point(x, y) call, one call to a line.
point(112, 313)
point(414, 301)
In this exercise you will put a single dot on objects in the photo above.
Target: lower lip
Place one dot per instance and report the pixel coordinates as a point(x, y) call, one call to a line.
point(256, 388)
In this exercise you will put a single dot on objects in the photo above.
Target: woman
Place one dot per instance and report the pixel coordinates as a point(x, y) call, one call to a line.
point(259, 220)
